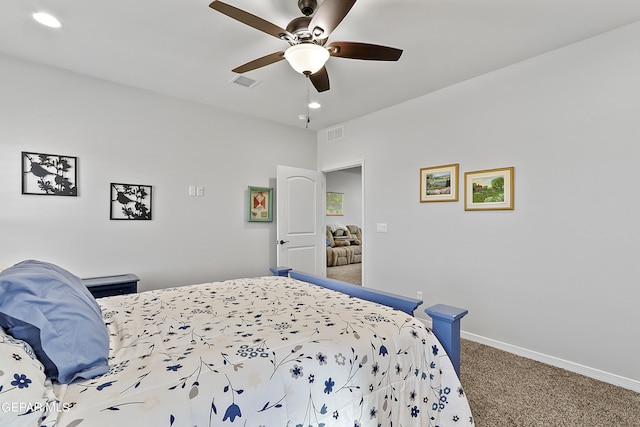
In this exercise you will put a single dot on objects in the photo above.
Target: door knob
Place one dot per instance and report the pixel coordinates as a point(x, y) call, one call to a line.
point(282, 242)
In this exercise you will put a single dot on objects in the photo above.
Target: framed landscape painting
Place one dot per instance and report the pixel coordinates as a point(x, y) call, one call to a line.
point(439, 184)
point(490, 189)
point(260, 204)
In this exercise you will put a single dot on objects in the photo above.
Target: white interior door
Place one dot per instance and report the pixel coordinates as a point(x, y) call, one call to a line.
point(300, 200)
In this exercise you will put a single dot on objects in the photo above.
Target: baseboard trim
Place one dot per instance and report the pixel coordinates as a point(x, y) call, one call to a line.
point(587, 371)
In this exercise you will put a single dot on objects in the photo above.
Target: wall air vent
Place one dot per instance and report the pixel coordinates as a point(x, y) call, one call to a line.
point(244, 81)
point(335, 133)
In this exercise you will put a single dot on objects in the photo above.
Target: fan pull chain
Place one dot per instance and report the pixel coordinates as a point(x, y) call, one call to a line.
point(308, 98)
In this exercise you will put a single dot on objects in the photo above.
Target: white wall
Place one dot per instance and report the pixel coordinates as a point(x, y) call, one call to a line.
point(559, 274)
point(349, 182)
point(125, 135)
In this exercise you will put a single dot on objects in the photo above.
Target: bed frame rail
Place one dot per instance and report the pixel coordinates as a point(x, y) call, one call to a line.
point(399, 302)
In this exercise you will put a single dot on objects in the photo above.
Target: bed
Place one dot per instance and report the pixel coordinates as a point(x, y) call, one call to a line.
point(263, 351)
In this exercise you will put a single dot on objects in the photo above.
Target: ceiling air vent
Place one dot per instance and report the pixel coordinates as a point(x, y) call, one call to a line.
point(244, 81)
point(335, 133)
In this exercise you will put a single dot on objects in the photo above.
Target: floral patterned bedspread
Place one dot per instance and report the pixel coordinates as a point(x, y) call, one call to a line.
point(267, 351)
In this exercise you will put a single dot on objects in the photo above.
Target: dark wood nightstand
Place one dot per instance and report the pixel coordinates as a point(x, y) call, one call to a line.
point(107, 286)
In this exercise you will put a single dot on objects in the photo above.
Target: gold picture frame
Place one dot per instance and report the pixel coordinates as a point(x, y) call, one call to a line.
point(439, 183)
point(490, 189)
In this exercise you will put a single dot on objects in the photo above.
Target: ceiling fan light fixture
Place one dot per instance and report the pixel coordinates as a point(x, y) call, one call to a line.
point(306, 58)
point(47, 19)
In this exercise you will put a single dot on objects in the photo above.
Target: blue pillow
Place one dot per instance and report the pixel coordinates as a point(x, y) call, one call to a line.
point(52, 310)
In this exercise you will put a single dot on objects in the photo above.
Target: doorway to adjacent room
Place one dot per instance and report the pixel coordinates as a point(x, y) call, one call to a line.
point(346, 244)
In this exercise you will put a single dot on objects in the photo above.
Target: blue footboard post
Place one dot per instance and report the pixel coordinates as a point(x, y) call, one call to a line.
point(446, 326)
point(280, 271)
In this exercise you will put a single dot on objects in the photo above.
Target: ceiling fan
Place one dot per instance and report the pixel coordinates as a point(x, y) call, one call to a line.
point(308, 36)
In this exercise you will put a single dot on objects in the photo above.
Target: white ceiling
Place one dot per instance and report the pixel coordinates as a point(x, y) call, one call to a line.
point(185, 49)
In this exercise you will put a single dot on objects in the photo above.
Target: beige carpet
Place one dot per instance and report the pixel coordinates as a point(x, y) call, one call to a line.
point(350, 273)
point(505, 390)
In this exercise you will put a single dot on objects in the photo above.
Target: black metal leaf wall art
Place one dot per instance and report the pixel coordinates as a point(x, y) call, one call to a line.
point(49, 174)
point(130, 201)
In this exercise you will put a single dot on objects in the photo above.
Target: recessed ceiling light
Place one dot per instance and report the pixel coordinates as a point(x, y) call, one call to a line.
point(46, 19)
point(314, 105)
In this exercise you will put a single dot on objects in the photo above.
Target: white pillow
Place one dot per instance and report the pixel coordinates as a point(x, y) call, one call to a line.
point(26, 394)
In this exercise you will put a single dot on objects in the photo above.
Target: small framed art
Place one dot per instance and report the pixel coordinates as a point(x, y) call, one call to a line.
point(130, 202)
point(490, 189)
point(260, 204)
point(49, 174)
point(439, 183)
point(335, 203)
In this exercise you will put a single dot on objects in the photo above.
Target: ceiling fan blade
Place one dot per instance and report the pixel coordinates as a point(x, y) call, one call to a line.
point(320, 80)
point(260, 62)
point(366, 51)
point(251, 20)
point(328, 16)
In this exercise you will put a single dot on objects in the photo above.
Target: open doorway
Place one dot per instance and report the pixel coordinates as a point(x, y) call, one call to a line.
point(344, 223)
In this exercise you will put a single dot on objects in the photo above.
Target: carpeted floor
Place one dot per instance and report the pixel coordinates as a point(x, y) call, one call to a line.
point(350, 273)
point(505, 390)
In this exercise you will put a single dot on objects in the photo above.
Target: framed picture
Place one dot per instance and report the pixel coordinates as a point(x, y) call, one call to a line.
point(130, 201)
point(439, 184)
point(260, 204)
point(49, 174)
point(490, 189)
point(335, 203)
